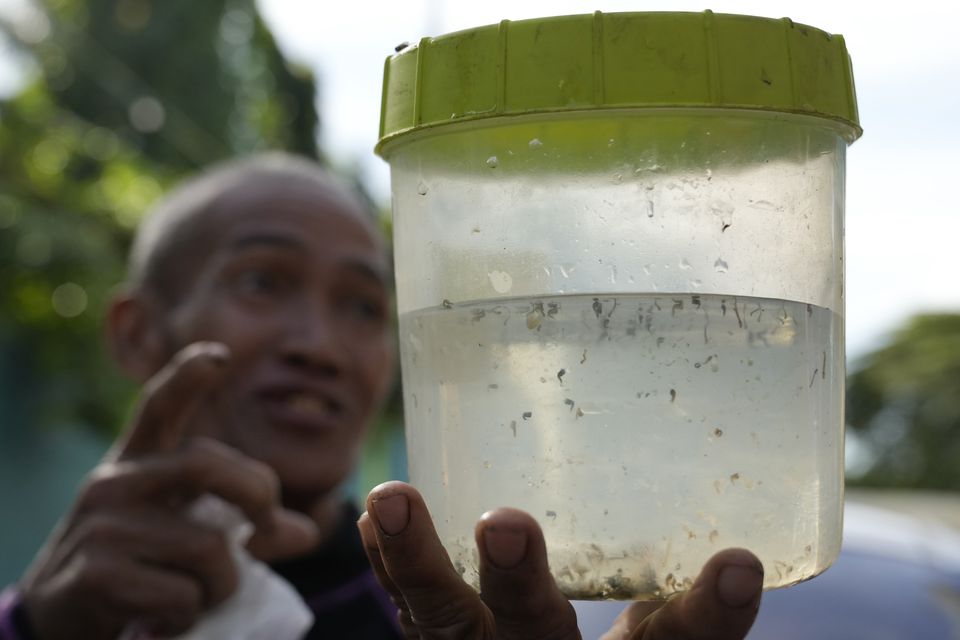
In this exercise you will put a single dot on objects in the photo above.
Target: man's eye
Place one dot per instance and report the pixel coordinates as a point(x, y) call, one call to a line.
point(368, 308)
point(261, 281)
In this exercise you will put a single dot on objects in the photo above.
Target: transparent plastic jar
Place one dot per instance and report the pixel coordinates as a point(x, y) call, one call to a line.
point(625, 316)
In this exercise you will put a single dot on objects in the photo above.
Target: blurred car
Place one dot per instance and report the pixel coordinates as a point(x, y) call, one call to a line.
point(897, 578)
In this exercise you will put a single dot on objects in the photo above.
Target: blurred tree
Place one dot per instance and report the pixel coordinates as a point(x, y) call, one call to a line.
point(902, 401)
point(128, 96)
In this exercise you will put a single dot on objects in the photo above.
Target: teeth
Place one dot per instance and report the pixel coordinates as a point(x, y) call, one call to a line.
point(306, 403)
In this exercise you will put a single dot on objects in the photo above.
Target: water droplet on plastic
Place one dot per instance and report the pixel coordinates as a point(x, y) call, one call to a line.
point(648, 207)
point(501, 281)
point(721, 265)
point(685, 265)
point(709, 174)
point(646, 269)
point(617, 178)
point(535, 143)
point(613, 274)
point(492, 162)
point(422, 188)
point(696, 284)
point(648, 167)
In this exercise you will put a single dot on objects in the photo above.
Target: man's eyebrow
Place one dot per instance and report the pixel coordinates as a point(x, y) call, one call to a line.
point(266, 239)
point(365, 268)
point(370, 271)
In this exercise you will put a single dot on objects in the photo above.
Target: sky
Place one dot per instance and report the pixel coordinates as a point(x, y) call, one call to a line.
point(902, 225)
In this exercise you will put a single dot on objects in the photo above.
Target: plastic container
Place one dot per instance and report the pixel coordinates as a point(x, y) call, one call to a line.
point(619, 262)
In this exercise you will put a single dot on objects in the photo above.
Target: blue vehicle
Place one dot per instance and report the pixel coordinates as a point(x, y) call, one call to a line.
point(897, 578)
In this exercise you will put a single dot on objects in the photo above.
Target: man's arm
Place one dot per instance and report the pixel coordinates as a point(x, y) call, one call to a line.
point(128, 552)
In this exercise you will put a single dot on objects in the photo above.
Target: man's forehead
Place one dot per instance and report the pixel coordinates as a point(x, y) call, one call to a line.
point(200, 217)
point(320, 194)
point(288, 201)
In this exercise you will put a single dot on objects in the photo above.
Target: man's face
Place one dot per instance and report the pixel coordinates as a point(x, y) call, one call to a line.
point(294, 282)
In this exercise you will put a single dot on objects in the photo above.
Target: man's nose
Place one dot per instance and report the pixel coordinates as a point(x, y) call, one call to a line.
point(311, 339)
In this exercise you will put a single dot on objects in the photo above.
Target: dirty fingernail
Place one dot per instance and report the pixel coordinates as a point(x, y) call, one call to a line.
point(393, 513)
point(506, 548)
point(739, 585)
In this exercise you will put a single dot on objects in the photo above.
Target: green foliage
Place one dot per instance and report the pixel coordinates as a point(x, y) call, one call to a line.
point(187, 83)
point(903, 401)
point(131, 96)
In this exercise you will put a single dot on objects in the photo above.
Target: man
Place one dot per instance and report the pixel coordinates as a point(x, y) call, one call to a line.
point(257, 317)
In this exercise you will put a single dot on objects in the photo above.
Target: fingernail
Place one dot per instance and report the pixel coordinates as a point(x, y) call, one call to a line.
point(393, 513)
point(506, 548)
point(218, 352)
point(215, 351)
point(739, 585)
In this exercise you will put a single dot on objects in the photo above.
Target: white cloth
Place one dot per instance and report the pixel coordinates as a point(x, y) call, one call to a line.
point(264, 606)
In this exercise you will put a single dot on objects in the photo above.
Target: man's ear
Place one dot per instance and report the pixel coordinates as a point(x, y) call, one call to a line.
point(136, 335)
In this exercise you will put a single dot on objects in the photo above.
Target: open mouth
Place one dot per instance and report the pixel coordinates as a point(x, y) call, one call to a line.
point(303, 409)
point(309, 404)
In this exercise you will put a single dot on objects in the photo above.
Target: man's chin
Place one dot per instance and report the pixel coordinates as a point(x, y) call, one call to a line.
point(308, 475)
point(304, 468)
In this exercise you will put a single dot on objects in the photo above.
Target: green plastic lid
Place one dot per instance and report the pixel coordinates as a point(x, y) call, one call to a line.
point(617, 61)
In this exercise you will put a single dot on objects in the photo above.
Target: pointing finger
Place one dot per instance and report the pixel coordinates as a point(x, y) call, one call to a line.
point(171, 398)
